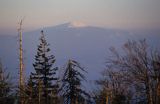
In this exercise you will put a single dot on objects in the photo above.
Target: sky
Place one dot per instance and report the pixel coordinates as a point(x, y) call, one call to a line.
point(123, 14)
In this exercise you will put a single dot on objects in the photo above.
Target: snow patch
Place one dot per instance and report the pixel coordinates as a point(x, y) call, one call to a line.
point(77, 24)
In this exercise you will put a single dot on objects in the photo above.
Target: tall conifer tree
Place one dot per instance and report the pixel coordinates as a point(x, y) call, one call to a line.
point(44, 78)
point(72, 83)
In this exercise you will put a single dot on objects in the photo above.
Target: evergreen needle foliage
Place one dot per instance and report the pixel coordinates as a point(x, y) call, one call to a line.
point(44, 80)
point(71, 84)
point(5, 87)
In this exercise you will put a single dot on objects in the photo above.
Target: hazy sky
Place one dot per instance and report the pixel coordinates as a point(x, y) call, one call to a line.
point(104, 13)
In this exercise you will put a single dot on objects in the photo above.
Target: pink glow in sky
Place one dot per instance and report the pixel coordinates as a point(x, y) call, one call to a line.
point(105, 13)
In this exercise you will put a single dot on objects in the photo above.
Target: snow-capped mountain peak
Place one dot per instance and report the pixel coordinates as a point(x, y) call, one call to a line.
point(77, 24)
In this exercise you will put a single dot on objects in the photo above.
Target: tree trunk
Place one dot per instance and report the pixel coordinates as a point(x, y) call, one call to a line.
point(148, 90)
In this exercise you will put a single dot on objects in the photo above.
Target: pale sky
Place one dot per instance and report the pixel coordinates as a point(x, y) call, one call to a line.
point(105, 13)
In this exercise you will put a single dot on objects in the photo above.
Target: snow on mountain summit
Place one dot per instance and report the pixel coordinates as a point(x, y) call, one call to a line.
point(77, 24)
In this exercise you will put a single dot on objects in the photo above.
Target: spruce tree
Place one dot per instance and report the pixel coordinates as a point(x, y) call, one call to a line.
point(44, 78)
point(6, 96)
point(71, 84)
point(30, 92)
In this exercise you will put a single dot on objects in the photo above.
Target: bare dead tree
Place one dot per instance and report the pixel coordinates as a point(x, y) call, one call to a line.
point(139, 69)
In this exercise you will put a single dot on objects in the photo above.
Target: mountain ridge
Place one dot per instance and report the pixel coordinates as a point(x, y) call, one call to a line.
point(88, 45)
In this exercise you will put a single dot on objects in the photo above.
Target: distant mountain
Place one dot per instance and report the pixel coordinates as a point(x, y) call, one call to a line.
point(86, 44)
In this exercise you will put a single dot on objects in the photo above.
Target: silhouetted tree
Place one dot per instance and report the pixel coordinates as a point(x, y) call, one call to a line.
point(44, 79)
point(31, 92)
point(100, 96)
point(71, 84)
point(113, 89)
point(5, 87)
point(139, 68)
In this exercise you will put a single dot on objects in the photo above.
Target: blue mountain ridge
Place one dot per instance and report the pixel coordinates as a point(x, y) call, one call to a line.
point(89, 45)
